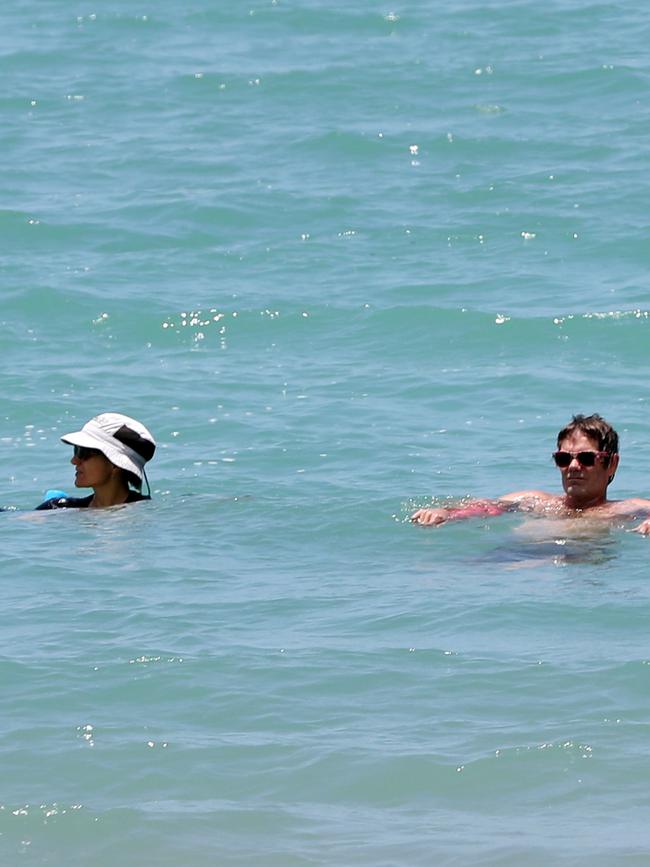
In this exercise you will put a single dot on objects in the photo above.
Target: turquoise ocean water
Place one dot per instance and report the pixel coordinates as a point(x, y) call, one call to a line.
point(342, 258)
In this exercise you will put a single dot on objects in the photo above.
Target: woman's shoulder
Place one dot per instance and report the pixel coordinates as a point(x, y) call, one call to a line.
point(136, 497)
point(65, 503)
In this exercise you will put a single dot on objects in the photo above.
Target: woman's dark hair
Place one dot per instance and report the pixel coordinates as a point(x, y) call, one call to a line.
point(132, 480)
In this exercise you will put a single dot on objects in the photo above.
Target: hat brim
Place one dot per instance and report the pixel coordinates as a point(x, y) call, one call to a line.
point(114, 455)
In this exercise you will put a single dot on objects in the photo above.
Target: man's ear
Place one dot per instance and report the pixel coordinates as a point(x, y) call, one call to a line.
point(613, 466)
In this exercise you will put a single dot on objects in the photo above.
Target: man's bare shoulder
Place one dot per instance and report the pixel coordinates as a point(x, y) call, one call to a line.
point(631, 507)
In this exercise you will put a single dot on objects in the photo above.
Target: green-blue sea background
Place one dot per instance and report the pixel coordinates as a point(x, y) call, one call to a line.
point(342, 258)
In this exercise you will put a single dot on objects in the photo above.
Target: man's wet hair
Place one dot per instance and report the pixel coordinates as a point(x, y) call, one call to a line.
point(595, 427)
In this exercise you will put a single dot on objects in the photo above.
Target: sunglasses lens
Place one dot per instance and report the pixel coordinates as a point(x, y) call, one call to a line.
point(585, 459)
point(82, 453)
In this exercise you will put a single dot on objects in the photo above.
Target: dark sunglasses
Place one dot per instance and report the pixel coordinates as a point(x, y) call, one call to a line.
point(82, 453)
point(585, 459)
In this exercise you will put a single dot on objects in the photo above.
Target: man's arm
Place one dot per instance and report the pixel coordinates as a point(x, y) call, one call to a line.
point(481, 508)
point(531, 501)
point(475, 509)
point(635, 508)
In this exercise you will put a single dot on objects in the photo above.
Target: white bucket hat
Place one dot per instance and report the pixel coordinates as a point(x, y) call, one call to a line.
point(123, 440)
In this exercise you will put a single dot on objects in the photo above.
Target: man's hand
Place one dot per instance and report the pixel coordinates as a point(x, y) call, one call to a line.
point(643, 528)
point(475, 509)
point(431, 517)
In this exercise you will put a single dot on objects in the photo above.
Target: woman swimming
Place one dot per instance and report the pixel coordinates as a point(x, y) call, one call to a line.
point(110, 452)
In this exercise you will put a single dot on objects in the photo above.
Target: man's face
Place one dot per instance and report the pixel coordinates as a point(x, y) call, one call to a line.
point(585, 484)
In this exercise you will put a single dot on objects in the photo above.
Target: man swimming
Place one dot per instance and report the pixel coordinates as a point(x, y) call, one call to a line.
point(587, 458)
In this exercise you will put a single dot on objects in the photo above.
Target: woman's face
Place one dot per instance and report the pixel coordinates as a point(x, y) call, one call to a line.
point(93, 469)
